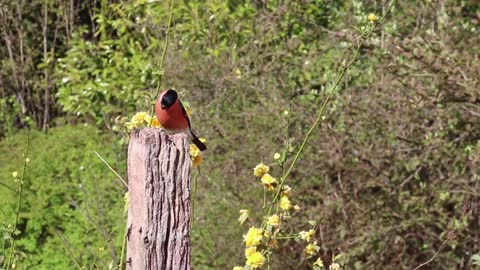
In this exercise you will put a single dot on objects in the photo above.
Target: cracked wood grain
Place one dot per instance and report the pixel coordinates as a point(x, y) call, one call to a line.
point(159, 192)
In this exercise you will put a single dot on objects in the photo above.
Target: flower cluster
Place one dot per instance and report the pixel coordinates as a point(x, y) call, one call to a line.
point(253, 239)
point(312, 248)
point(142, 119)
point(195, 153)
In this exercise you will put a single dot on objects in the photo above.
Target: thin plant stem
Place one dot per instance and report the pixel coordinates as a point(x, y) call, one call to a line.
point(124, 244)
point(319, 117)
point(110, 167)
point(194, 195)
point(7, 186)
point(164, 53)
point(65, 244)
point(19, 202)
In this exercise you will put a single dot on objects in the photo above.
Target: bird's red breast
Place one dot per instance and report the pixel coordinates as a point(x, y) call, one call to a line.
point(172, 118)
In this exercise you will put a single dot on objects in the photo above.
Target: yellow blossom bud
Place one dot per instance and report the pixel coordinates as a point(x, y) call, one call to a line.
point(285, 203)
point(269, 181)
point(276, 156)
point(318, 262)
point(238, 72)
point(255, 260)
point(27, 160)
point(312, 248)
point(237, 268)
point(253, 237)
point(260, 170)
point(250, 250)
point(155, 123)
point(334, 266)
point(273, 220)
point(194, 151)
point(307, 236)
point(372, 17)
point(15, 174)
point(243, 216)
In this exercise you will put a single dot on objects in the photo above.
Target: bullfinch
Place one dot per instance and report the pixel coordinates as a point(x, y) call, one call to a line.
point(173, 117)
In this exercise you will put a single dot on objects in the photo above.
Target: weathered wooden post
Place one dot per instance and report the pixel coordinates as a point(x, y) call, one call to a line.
point(159, 193)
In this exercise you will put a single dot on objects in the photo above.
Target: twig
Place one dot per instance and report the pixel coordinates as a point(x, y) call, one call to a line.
point(317, 121)
point(451, 234)
point(124, 244)
point(164, 53)
point(110, 167)
point(19, 203)
point(195, 185)
point(7, 186)
point(65, 244)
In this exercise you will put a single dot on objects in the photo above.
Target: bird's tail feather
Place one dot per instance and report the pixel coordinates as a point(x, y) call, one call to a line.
point(198, 143)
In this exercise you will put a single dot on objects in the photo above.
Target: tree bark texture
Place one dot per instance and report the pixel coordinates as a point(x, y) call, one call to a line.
point(159, 201)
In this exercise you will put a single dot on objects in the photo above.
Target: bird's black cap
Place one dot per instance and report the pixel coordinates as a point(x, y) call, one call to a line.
point(169, 99)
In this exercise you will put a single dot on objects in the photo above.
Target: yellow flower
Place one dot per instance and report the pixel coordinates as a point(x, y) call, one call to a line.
point(237, 268)
point(255, 260)
point(197, 161)
point(15, 174)
point(138, 119)
point(194, 151)
point(239, 73)
point(269, 181)
point(312, 248)
point(273, 220)
point(285, 203)
point(253, 237)
point(260, 170)
point(307, 236)
point(250, 250)
point(334, 266)
point(318, 262)
point(243, 216)
point(372, 17)
point(155, 123)
point(141, 117)
point(276, 156)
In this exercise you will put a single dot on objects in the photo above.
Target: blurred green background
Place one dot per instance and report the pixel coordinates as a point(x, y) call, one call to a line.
point(393, 168)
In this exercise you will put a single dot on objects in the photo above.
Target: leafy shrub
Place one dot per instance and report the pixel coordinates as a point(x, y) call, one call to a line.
point(72, 207)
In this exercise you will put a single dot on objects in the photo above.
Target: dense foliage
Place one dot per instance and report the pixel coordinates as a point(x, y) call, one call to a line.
point(391, 174)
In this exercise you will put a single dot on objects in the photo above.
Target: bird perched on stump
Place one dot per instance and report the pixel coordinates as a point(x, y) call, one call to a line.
point(173, 117)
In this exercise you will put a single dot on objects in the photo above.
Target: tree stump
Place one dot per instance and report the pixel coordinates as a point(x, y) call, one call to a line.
point(159, 201)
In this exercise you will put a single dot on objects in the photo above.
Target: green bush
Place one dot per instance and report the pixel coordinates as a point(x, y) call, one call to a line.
point(72, 206)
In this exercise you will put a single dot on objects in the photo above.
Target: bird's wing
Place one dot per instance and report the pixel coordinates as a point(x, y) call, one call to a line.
point(186, 115)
